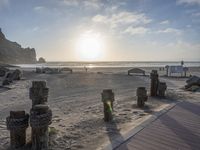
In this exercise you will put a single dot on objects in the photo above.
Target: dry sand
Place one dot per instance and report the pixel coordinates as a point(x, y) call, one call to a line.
point(75, 100)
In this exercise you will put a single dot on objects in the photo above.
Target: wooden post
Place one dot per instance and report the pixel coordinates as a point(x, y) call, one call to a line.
point(154, 82)
point(40, 115)
point(161, 89)
point(107, 99)
point(108, 95)
point(141, 96)
point(40, 118)
point(17, 123)
point(38, 92)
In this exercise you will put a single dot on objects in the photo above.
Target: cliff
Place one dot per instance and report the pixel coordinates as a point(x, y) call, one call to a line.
point(13, 53)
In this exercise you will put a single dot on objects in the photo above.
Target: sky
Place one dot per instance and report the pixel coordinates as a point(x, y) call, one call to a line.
point(105, 30)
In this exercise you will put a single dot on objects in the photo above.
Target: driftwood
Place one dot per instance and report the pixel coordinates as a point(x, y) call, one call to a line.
point(136, 71)
point(66, 69)
point(48, 70)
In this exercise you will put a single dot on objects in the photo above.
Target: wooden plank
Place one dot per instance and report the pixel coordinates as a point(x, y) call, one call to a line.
point(177, 129)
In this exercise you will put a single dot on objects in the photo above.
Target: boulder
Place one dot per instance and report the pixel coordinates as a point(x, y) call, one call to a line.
point(194, 88)
point(3, 71)
point(193, 84)
point(17, 74)
point(50, 70)
point(193, 80)
point(5, 82)
point(38, 70)
point(9, 77)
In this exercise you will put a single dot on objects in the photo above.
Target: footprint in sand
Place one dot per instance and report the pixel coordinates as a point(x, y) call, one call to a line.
point(61, 125)
point(135, 112)
point(126, 109)
point(122, 114)
point(57, 120)
point(142, 114)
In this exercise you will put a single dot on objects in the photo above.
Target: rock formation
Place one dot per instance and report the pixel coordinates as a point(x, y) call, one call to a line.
point(41, 60)
point(13, 53)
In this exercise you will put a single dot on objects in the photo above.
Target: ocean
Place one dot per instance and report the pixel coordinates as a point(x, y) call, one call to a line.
point(109, 64)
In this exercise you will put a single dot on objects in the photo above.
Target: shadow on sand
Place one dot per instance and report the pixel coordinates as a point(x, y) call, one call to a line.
point(114, 135)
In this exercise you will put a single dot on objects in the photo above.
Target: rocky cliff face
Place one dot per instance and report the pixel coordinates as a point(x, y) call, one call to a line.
point(13, 53)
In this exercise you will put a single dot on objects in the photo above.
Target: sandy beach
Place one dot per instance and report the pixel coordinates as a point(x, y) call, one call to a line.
point(75, 100)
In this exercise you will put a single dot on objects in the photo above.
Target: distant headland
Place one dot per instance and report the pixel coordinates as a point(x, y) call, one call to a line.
point(13, 53)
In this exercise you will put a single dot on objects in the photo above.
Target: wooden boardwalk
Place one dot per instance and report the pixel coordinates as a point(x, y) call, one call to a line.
point(178, 129)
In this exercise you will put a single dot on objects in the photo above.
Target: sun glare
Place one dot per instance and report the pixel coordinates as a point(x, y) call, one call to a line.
point(89, 46)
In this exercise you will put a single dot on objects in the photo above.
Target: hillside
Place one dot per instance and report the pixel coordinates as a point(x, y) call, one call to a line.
point(13, 53)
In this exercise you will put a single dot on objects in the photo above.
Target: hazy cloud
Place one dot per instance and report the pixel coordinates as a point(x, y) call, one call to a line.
point(165, 22)
point(39, 8)
point(122, 18)
point(95, 4)
point(189, 2)
point(170, 30)
point(136, 30)
point(196, 14)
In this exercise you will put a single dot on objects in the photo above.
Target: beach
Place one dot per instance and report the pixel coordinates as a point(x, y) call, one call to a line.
point(75, 100)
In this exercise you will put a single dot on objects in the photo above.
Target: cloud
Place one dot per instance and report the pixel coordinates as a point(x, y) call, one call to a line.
point(165, 22)
point(189, 2)
point(122, 18)
point(170, 30)
point(71, 2)
point(39, 8)
point(94, 4)
point(196, 14)
point(136, 30)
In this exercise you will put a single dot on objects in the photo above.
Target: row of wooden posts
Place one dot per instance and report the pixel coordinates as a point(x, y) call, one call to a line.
point(41, 115)
point(157, 89)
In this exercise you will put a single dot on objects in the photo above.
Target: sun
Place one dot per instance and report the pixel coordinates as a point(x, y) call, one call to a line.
point(89, 46)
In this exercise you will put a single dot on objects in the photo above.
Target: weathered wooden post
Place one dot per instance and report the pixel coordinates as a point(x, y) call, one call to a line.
point(40, 115)
point(38, 92)
point(108, 99)
point(40, 119)
point(161, 89)
point(17, 123)
point(141, 96)
point(167, 70)
point(154, 82)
